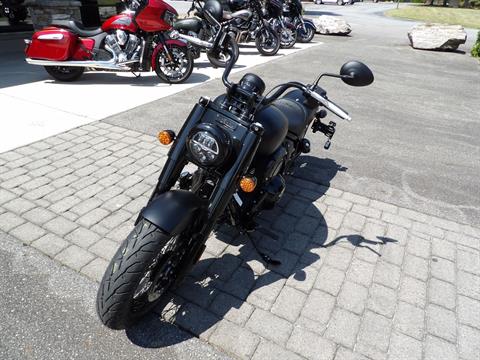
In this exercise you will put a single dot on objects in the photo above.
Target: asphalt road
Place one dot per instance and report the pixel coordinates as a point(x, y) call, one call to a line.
point(414, 138)
point(48, 313)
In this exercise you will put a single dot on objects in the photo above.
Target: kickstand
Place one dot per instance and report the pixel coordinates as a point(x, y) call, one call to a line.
point(136, 75)
point(268, 260)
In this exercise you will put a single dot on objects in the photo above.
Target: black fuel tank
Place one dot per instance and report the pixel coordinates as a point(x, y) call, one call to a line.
point(276, 128)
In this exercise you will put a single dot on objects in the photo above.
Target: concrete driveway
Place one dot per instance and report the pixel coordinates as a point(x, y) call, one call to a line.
point(43, 107)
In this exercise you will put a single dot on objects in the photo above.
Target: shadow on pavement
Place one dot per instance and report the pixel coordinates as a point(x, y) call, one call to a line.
point(218, 286)
point(114, 78)
point(319, 12)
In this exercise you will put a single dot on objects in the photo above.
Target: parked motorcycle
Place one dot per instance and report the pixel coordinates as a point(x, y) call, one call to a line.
point(293, 15)
point(243, 144)
point(134, 40)
point(14, 10)
point(250, 24)
point(208, 31)
point(287, 31)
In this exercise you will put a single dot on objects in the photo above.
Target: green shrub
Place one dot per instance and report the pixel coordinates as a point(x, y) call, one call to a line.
point(476, 47)
point(475, 4)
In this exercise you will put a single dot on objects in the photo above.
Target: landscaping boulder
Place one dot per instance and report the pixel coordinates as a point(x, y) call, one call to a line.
point(437, 37)
point(331, 25)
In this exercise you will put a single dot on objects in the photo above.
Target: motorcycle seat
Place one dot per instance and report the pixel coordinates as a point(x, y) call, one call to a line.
point(77, 27)
point(190, 24)
point(296, 113)
point(240, 14)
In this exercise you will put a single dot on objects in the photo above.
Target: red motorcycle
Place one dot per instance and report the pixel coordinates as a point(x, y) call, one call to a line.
point(134, 40)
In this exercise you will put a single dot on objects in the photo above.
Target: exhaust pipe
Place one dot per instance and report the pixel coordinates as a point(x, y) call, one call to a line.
point(191, 39)
point(106, 65)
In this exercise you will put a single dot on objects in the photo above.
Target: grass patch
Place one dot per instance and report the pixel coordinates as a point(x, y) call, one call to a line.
point(476, 47)
point(467, 17)
point(108, 2)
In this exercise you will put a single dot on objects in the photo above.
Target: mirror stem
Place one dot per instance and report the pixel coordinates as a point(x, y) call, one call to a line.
point(333, 75)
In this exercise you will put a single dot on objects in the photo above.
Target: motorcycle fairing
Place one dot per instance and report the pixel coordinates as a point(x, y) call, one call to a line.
point(150, 18)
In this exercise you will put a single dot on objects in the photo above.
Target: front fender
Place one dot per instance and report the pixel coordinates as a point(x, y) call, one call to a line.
point(174, 210)
point(160, 47)
point(309, 22)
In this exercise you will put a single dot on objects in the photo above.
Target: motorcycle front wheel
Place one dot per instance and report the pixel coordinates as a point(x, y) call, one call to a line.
point(176, 66)
point(288, 36)
point(65, 73)
point(305, 36)
point(145, 266)
point(221, 57)
point(267, 42)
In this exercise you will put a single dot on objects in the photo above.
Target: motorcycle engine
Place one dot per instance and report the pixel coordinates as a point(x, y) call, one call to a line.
point(125, 46)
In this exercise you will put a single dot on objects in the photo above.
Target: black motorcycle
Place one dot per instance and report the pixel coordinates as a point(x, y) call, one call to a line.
point(242, 144)
point(14, 10)
point(209, 32)
point(287, 31)
point(292, 13)
point(252, 25)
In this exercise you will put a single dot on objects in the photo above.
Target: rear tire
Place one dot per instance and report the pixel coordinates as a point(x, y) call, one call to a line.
point(220, 58)
point(65, 73)
point(267, 42)
point(177, 71)
point(126, 292)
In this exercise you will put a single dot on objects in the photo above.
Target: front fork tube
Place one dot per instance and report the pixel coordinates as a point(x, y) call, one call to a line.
point(176, 156)
point(304, 28)
point(162, 39)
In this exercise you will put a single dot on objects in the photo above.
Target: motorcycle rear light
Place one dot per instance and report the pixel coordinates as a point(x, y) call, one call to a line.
point(166, 137)
point(248, 184)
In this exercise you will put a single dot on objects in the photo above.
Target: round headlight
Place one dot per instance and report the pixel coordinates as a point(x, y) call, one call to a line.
point(208, 146)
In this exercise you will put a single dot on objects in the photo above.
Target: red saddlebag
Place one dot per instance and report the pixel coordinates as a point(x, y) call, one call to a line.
point(52, 44)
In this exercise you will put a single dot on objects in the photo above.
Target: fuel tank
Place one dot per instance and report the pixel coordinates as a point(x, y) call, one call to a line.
point(120, 22)
point(275, 125)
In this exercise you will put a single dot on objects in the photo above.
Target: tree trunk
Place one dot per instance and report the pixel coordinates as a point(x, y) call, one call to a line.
point(466, 4)
point(90, 14)
point(428, 2)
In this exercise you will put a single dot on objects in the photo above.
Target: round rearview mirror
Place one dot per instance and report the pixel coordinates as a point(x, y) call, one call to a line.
point(356, 73)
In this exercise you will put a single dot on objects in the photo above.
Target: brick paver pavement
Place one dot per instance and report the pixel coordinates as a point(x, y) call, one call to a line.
point(359, 279)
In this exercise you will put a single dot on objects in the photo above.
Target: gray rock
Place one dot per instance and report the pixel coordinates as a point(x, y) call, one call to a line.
point(331, 25)
point(437, 37)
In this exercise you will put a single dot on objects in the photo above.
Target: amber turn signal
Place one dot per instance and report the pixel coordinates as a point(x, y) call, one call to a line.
point(166, 137)
point(248, 184)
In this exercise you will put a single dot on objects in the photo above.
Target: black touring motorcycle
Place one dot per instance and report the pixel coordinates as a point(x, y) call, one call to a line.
point(208, 31)
point(242, 145)
point(293, 14)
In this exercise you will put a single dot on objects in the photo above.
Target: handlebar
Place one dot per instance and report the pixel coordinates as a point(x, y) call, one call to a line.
point(337, 110)
point(310, 91)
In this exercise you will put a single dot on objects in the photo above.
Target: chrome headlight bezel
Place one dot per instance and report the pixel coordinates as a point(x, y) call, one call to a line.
point(209, 141)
